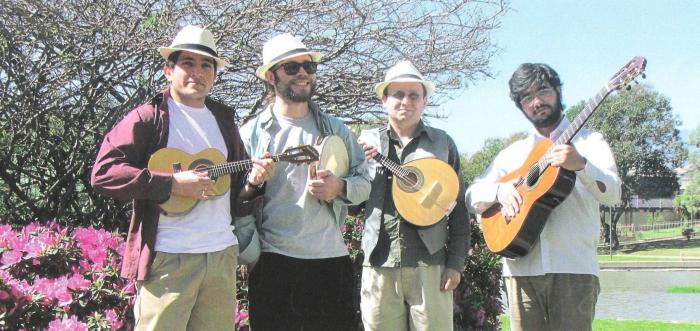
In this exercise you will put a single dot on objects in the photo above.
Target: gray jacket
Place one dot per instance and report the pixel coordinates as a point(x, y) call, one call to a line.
point(452, 232)
point(257, 135)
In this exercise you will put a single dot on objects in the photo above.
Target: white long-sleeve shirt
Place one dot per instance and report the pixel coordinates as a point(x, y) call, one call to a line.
point(569, 239)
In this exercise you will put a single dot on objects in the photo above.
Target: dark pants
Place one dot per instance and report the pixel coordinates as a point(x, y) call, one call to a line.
point(286, 293)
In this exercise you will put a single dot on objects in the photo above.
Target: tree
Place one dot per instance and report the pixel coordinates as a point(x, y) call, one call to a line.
point(70, 69)
point(689, 199)
point(642, 132)
point(474, 165)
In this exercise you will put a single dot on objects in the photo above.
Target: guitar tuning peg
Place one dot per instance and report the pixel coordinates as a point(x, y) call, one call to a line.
point(627, 87)
point(644, 76)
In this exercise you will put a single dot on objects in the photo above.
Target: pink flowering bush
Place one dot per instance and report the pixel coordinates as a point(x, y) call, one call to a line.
point(54, 278)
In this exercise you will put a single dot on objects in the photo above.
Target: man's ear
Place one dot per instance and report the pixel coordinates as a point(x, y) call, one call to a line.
point(270, 77)
point(167, 71)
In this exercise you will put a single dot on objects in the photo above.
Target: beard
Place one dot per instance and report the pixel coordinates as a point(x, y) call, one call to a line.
point(548, 120)
point(286, 92)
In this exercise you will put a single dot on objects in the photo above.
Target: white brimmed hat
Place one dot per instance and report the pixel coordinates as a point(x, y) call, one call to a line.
point(196, 40)
point(280, 48)
point(403, 71)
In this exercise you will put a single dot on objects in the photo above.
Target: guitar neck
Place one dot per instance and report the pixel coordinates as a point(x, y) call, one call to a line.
point(591, 105)
point(574, 127)
point(223, 169)
point(394, 167)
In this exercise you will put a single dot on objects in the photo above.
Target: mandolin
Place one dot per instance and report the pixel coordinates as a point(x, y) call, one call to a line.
point(541, 186)
point(211, 160)
point(424, 190)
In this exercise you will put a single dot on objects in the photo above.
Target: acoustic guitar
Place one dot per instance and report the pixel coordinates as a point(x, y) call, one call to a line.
point(541, 186)
point(424, 190)
point(211, 160)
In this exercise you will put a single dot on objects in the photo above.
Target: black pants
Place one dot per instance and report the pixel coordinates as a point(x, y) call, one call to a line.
point(286, 293)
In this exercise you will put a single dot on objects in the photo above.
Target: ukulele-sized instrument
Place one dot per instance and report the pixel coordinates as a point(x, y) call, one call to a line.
point(211, 160)
point(424, 190)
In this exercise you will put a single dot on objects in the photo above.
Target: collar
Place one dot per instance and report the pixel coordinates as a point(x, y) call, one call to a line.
point(422, 128)
point(267, 118)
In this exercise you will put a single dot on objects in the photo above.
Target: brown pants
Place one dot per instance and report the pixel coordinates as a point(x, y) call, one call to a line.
point(188, 292)
point(552, 302)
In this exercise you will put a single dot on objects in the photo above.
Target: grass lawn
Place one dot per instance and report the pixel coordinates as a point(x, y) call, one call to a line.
point(662, 251)
point(684, 289)
point(628, 325)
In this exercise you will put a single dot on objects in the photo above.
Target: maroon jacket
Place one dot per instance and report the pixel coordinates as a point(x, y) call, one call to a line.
point(120, 172)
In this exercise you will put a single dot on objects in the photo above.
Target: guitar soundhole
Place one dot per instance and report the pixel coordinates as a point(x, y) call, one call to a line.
point(533, 176)
point(412, 182)
point(201, 165)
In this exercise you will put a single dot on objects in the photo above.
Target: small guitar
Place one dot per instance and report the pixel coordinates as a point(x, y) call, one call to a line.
point(543, 187)
point(424, 190)
point(172, 160)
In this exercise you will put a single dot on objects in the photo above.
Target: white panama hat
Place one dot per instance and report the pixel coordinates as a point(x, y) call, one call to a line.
point(404, 71)
point(196, 40)
point(280, 48)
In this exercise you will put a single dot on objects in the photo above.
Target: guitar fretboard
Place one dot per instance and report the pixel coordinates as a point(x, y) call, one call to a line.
point(223, 169)
point(394, 167)
point(592, 104)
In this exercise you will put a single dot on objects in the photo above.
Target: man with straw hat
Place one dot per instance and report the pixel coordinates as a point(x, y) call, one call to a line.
point(303, 279)
point(409, 271)
point(184, 265)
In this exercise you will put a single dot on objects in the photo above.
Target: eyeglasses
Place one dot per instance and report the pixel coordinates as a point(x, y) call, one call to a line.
point(292, 68)
point(412, 96)
point(543, 93)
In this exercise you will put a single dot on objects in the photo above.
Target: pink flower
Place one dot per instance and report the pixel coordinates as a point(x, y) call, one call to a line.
point(54, 289)
point(113, 318)
point(67, 324)
point(11, 257)
point(77, 282)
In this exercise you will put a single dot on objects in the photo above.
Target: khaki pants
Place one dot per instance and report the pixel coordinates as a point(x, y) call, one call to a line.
point(552, 302)
point(405, 299)
point(188, 292)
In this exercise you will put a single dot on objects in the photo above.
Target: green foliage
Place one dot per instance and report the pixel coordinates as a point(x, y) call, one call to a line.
point(689, 200)
point(474, 165)
point(641, 129)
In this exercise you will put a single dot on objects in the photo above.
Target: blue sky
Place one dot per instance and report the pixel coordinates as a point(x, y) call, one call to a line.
point(586, 42)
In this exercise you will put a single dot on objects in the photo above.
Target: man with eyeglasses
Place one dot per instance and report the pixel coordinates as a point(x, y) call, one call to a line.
point(303, 279)
point(409, 271)
point(555, 286)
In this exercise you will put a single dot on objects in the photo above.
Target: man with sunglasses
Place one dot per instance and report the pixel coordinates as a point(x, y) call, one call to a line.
point(409, 271)
point(303, 279)
point(555, 286)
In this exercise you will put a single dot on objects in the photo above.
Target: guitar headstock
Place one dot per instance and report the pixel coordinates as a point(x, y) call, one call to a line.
point(628, 73)
point(299, 154)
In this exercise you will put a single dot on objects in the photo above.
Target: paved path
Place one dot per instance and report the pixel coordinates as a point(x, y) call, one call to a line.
point(638, 265)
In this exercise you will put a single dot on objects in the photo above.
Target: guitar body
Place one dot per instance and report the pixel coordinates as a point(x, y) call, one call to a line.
point(515, 237)
point(432, 197)
point(166, 159)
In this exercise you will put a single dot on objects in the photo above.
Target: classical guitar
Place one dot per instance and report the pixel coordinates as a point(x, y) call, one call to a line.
point(424, 190)
point(172, 160)
point(541, 186)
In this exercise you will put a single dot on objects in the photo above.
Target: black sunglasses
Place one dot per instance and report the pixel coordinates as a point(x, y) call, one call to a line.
point(292, 68)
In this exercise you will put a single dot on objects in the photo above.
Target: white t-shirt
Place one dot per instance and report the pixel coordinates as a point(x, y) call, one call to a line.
point(207, 227)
